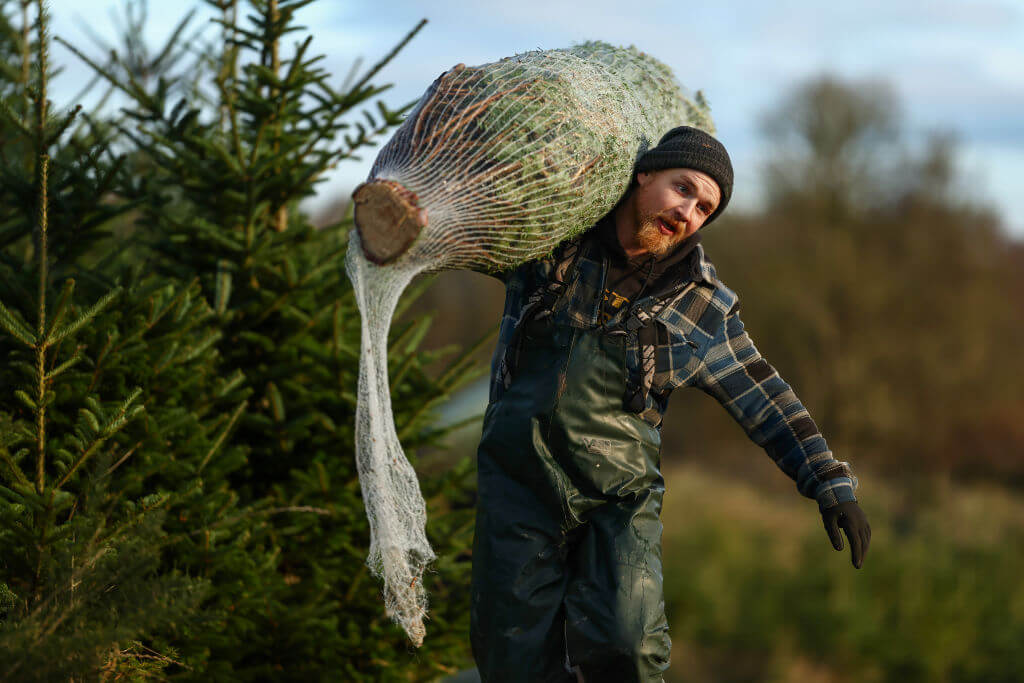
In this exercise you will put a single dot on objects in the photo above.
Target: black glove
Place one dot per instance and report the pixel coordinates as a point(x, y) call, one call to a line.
point(850, 517)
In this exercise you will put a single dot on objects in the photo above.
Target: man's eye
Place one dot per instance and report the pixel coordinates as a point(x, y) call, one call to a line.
point(682, 188)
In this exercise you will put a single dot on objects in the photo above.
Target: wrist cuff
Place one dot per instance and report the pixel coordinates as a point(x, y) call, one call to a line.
point(835, 491)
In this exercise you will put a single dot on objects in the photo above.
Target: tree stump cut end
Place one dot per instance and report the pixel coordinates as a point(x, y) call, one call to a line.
point(388, 218)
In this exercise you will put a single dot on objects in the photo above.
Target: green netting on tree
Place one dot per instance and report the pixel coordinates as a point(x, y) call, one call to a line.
point(495, 166)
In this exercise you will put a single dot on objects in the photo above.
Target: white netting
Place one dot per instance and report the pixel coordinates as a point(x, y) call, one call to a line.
point(399, 550)
point(506, 160)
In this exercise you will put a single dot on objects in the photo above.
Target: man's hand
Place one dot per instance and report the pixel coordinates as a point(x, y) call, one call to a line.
point(851, 518)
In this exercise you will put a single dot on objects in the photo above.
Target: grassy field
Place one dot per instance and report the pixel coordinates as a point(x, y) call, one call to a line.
point(755, 591)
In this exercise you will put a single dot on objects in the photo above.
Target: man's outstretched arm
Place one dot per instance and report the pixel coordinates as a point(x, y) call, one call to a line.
point(734, 372)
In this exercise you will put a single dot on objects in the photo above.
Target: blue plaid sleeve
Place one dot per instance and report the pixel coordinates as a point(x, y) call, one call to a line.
point(751, 390)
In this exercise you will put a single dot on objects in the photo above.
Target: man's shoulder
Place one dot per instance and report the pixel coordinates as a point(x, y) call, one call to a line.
point(721, 295)
point(704, 305)
point(539, 270)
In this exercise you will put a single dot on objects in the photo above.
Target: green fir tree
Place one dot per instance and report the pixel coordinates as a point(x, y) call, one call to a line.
point(115, 412)
point(221, 153)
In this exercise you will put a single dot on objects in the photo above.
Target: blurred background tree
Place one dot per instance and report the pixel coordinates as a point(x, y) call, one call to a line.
point(878, 284)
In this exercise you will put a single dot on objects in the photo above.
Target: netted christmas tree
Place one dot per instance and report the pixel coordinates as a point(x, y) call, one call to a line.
point(495, 166)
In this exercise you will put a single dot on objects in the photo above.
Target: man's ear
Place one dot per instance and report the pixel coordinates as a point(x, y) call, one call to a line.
point(643, 177)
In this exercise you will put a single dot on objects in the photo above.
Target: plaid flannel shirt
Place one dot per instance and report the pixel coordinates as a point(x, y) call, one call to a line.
point(699, 341)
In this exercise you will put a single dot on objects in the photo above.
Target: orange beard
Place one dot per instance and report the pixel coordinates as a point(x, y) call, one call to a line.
point(649, 236)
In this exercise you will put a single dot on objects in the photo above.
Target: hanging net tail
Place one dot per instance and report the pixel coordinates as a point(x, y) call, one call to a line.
point(399, 550)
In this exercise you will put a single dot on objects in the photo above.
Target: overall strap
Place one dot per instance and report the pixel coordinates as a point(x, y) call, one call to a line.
point(640, 321)
point(541, 303)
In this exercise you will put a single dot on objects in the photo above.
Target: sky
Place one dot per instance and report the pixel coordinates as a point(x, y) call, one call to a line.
point(955, 66)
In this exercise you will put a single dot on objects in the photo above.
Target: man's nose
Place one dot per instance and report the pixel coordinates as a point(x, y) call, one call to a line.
point(685, 211)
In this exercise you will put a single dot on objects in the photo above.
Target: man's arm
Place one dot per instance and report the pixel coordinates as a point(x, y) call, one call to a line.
point(734, 372)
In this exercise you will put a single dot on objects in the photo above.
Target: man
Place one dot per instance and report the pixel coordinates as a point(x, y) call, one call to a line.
point(567, 574)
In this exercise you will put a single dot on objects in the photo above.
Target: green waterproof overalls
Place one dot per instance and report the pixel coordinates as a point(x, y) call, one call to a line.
point(567, 550)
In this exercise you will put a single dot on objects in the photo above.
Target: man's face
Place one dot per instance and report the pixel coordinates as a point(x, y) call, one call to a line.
point(671, 205)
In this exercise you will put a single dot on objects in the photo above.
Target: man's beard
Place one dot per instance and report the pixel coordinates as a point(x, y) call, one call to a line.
point(649, 236)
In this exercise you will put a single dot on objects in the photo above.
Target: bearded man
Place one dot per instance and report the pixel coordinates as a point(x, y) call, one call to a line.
point(567, 573)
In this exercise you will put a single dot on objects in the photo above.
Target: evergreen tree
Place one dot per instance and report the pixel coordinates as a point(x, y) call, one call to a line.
point(114, 414)
point(226, 149)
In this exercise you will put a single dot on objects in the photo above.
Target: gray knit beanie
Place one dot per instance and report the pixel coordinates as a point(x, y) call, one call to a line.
point(688, 147)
